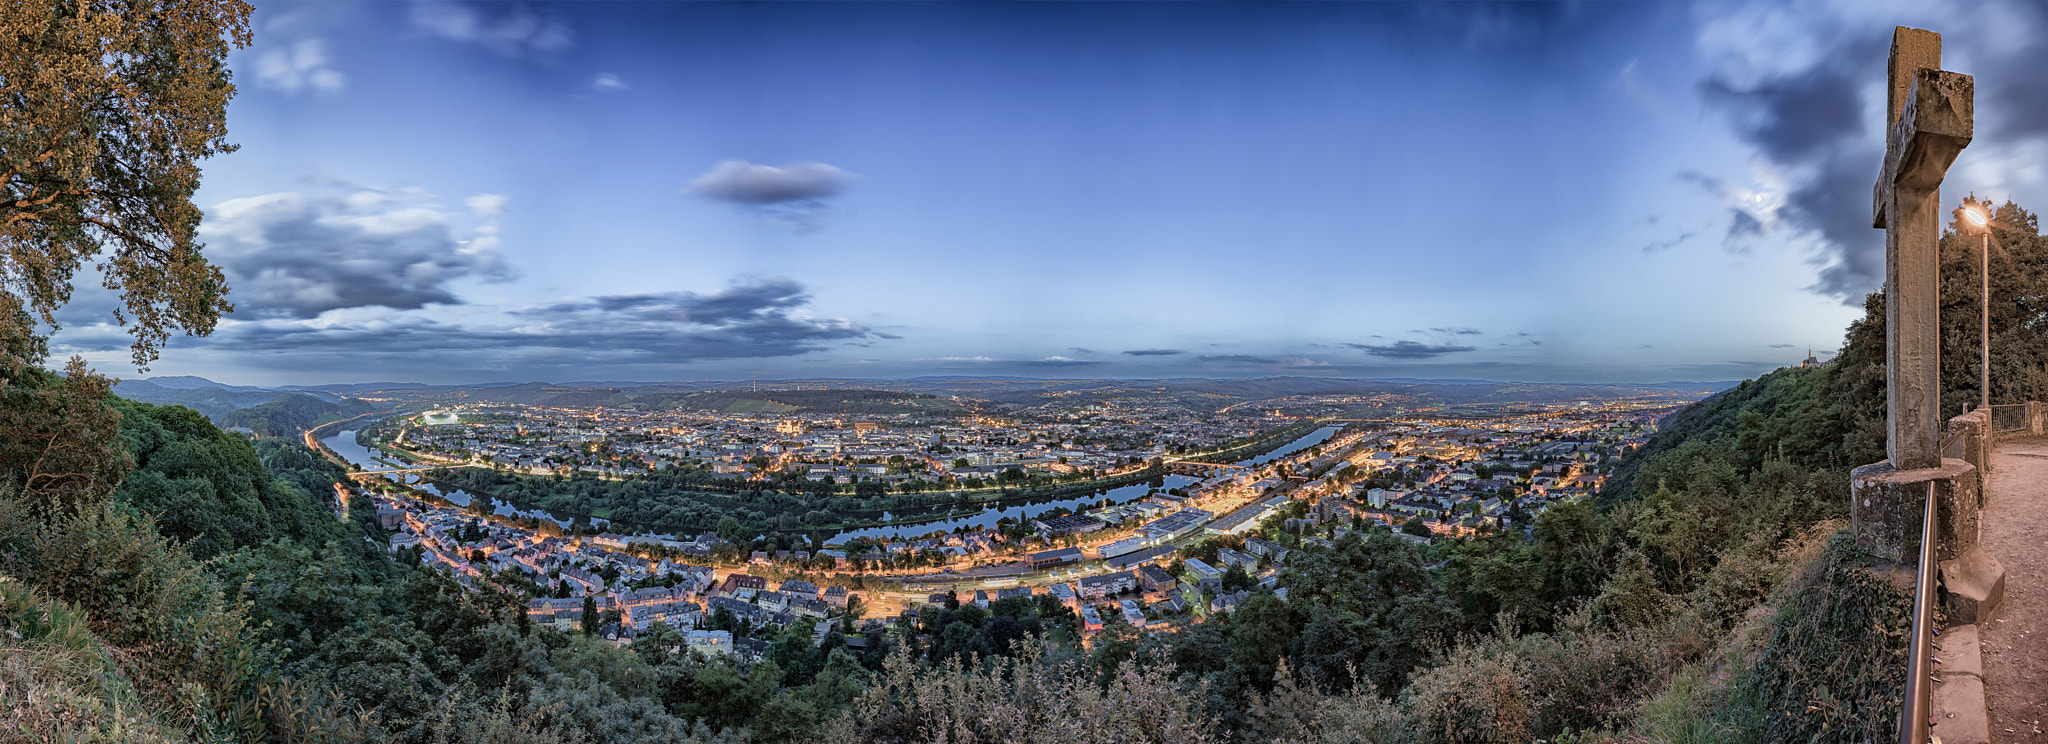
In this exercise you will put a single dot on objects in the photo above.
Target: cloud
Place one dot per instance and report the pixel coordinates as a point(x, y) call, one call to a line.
point(741, 182)
point(289, 254)
point(1783, 346)
point(793, 193)
point(1235, 359)
point(1743, 205)
point(753, 317)
point(1803, 85)
point(513, 28)
point(1741, 225)
point(1057, 361)
point(486, 204)
point(1410, 350)
point(607, 82)
point(1457, 331)
point(1154, 352)
point(1668, 244)
point(301, 66)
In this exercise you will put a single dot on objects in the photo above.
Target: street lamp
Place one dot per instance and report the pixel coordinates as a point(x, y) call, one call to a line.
point(1976, 217)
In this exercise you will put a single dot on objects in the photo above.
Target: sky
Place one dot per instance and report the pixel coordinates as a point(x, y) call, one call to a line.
point(468, 192)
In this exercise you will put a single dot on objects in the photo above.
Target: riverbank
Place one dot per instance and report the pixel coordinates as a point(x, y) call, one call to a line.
point(984, 510)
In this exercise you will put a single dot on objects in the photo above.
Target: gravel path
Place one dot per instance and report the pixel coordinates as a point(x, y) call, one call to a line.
point(2015, 531)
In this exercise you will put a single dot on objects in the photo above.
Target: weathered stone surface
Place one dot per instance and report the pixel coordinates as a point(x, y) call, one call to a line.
point(1912, 49)
point(1929, 120)
point(1886, 504)
point(1974, 583)
point(1976, 439)
point(1959, 651)
point(1958, 707)
point(1937, 123)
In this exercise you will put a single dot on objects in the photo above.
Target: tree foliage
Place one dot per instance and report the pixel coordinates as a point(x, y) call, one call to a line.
point(109, 107)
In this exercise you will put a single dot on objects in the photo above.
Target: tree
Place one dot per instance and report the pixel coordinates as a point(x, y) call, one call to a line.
point(730, 529)
point(109, 108)
point(1416, 526)
point(589, 616)
point(59, 440)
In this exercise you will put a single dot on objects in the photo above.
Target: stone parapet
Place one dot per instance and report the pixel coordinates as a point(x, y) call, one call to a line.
point(1977, 437)
point(1885, 505)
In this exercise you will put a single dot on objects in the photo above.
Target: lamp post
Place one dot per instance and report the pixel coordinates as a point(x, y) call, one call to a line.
point(1978, 216)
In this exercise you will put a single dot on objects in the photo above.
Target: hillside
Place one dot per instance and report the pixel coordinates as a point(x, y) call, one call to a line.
point(210, 400)
point(291, 414)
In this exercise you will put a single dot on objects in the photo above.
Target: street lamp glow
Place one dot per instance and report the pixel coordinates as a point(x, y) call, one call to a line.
point(1975, 216)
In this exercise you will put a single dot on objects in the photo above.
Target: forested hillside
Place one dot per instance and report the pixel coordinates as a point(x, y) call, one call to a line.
point(289, 415)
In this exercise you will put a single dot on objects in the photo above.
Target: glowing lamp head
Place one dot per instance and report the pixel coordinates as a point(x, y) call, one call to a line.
point(1975, 218)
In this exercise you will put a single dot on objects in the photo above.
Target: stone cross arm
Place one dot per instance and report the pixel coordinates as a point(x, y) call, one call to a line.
point(1933, 127)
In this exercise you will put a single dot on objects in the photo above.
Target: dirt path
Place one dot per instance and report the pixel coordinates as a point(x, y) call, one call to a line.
point(2015, 531)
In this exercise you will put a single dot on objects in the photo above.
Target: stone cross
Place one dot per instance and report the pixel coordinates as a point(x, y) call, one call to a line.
point(1930, 123)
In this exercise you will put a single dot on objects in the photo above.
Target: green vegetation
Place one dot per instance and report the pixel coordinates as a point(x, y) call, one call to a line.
point(694, 499)
point(290, 415)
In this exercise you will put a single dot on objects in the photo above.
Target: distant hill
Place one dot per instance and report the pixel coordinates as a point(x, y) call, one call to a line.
point(210, 401)
point(216, 401)
point(292, 413)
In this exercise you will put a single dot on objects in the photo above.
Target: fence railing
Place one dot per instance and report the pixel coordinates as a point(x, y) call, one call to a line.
point(2009, 418)
point(1913, 720)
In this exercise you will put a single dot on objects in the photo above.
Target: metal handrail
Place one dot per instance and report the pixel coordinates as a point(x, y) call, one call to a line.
point(1949, 442)
point(1913, 723)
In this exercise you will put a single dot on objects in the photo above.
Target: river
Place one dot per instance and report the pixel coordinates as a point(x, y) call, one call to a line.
point(344, 443)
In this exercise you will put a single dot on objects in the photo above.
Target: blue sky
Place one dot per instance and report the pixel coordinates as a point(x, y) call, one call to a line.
point(468, 192)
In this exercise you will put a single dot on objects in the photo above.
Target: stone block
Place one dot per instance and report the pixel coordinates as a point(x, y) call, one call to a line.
point(1959, 713)
point(1957, 702)
point(1886, 504)
point(1975, 584)
point(1960, 651)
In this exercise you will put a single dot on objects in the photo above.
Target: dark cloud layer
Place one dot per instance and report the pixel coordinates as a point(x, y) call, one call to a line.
point(1812, 121)
point(1410, 350)
point(751, 318)
point(296, 255)
point(1154, 352)
point(754, 317)
point(750, 184)
point(1236, 359)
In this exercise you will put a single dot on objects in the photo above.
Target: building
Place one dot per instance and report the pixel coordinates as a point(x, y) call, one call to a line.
point(1051, 558)
point(1072, 524)
point(1108, 584)
point(1140, 558)
point(1064, 593)
point(1174, 525)
point(1132, 615)
point(1122, 547)
point(1156, 579)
